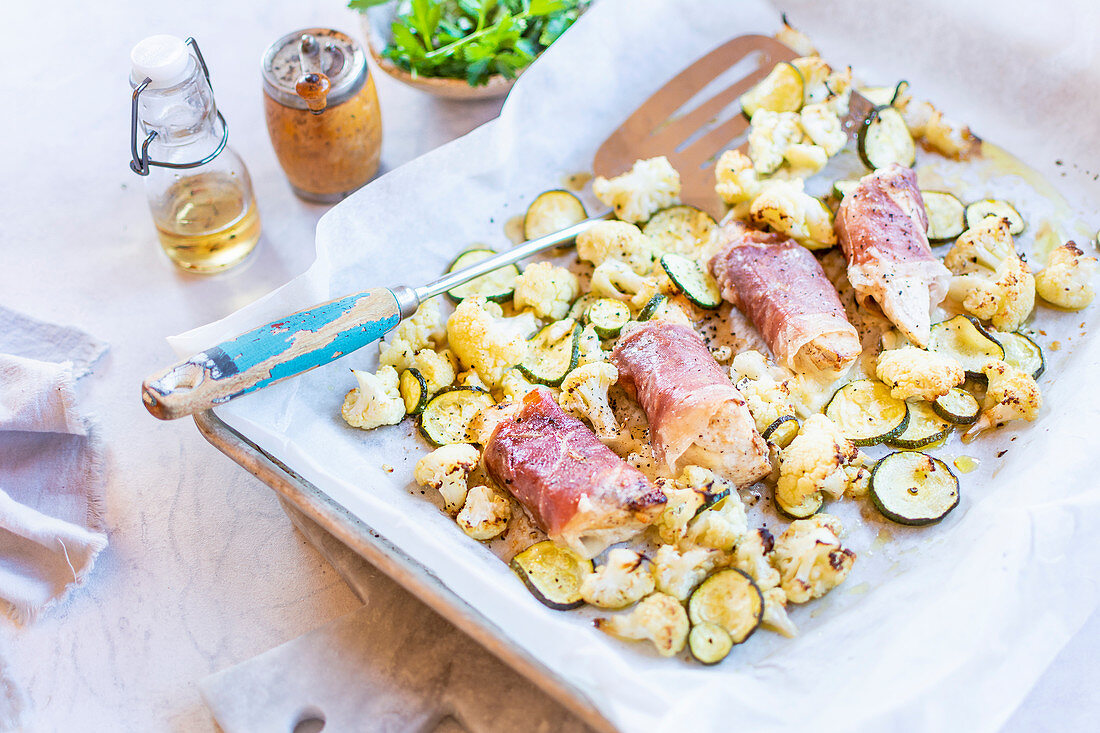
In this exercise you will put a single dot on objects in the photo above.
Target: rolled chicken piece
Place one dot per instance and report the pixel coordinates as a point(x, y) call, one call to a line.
point(577, 490)
point(696, 415)
point(780, 286)
point(882, 227)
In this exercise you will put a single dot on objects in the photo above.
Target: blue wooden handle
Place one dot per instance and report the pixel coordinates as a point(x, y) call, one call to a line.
point(265, 355)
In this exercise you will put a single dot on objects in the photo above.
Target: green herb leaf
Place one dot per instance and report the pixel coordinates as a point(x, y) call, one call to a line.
point(362, 5)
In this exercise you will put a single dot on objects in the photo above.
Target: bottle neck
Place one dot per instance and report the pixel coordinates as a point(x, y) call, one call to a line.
point(183, 116)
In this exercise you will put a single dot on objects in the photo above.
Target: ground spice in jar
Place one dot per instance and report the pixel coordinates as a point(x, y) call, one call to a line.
point(322, 113)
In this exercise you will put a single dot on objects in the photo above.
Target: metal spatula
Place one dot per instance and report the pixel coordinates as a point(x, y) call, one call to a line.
point(323, 333)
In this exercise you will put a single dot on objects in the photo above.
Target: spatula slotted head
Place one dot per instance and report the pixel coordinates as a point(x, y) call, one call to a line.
point(693, 140)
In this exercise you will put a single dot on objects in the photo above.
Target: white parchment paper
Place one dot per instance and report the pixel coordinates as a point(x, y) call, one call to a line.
point(946, 627)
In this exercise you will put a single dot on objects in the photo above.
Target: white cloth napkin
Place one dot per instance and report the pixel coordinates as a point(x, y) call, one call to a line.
point(51, 465)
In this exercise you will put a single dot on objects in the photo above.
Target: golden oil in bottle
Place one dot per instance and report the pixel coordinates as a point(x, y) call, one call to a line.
point(198, 188)
point(207, 222)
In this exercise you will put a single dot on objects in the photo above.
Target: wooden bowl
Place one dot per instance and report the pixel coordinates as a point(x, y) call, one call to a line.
point(376, 27)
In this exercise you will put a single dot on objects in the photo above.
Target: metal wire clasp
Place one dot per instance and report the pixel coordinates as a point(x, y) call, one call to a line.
point(140, 162)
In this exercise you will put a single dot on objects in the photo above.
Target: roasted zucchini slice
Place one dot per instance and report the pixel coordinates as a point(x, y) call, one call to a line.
point(924, 428)
point(884, 139)
point(997, 208)
point(957, 406)
point(498, 285)
point(552, 353)
point(550, 212)
point(782, 431)
point(867, 413)
point(914, 488)
point(843, 188)
point(692, 280)
point(1022, 353)
point(709, 643)
point(414, 390)
point(946, 220)
point(553, 574)
point(730, 600)
point(780, 91)
point(712, 499)
point(446, 418)
point(651, 308)
point(884, 96)
point(965, 340)
point(607, 316)
point(679, 229)
point(810, 506)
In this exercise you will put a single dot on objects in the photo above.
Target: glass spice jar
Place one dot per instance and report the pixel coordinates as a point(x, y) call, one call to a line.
point(322, 113)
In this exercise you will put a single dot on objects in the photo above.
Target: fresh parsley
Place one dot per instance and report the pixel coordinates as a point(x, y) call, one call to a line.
point(474, 39)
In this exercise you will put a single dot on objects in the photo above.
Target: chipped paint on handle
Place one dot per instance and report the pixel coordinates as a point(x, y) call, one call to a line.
point(284, 348)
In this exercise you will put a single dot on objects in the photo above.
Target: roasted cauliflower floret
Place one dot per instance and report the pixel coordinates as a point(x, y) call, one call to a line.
point(446, 469)
point(735, 179)
point(1011, 395)
point(754, 364)
point(815, 77)
point(795, 39)
point(721, 525)
point(991, 281)
point(514, 385)
point(948, 139)
point(660, 618)
point(484, 514)
point(651, 185)
point(469, 378)
point(812, 466)
point(678, 573)
point(810, 558)
point(682, 502)
point(584, 394)
point(753, 554)
point(420, 331)
point(840, 84)
point(617, 240)
point(787, 209)
point(484, 340)
point(822, 126)
point(770, 135)
point(485, 422)
point(438, 370)
point(913, 372)
point(615, 279)
point(622, 580)
point(1066, 281)
point(767, 399)
point(375, 402)
point(775, 613)
point(548, 290)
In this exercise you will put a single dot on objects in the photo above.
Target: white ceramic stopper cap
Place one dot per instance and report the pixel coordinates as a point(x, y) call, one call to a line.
point(163, 59)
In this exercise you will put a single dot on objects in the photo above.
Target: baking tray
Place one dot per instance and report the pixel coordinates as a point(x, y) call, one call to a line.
point(385, 556)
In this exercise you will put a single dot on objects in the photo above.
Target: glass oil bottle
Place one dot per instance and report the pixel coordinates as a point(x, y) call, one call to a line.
point(198, 188)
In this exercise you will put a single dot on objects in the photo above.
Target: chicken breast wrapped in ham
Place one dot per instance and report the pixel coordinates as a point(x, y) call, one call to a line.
point(780, 286)
point(882, 228)
point(696, 415)
point(577, 490)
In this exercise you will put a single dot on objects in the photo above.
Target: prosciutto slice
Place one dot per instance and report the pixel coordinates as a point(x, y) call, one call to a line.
point(696, 415)
point(577, 490)
point(782, 289)
point(882, 228)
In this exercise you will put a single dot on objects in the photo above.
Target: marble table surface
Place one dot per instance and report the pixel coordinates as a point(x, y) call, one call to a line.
point(204, 569)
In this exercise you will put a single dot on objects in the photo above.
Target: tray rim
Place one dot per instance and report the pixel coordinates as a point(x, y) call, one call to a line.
point(384, 555)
